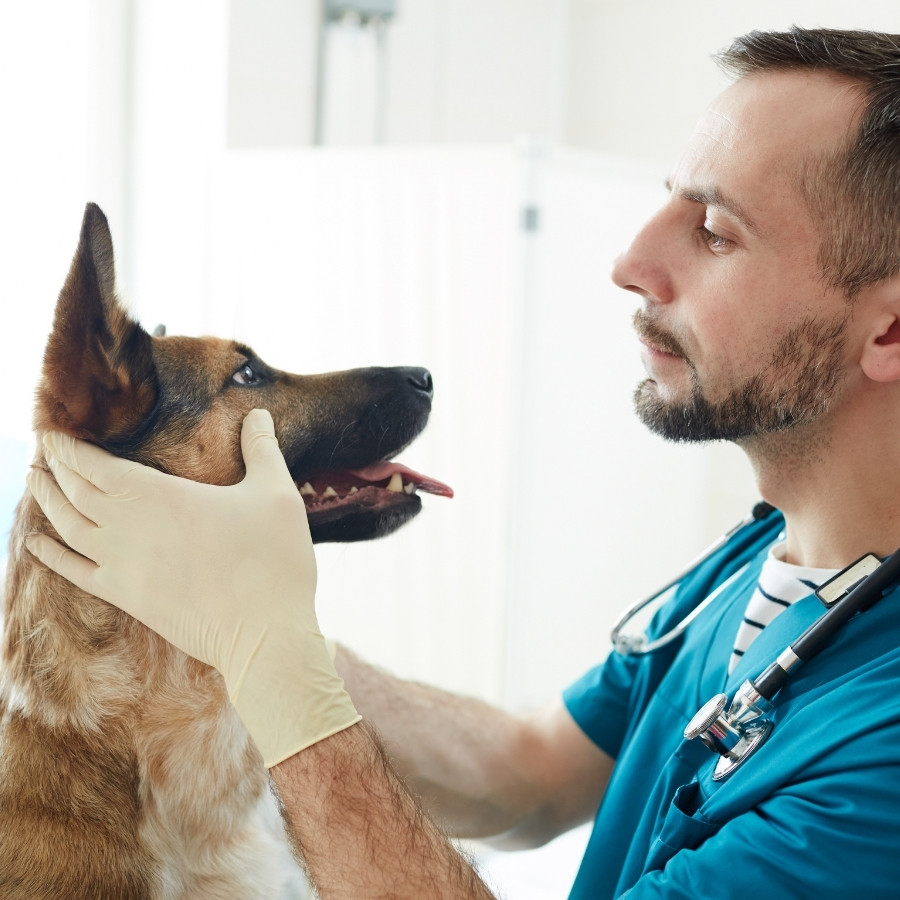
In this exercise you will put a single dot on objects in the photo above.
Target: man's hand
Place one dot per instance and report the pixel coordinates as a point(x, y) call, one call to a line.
point(227, 574)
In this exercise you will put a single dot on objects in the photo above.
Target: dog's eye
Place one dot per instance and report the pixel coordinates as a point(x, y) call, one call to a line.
point(245, 375)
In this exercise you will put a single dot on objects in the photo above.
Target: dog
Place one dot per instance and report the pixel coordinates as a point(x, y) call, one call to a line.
point(125, 772)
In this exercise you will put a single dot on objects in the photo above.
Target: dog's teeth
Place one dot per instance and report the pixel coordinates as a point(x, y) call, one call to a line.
point(307, 490)
point(353, 490)
point(329, 492)
point(409, 488)
point(396, 483)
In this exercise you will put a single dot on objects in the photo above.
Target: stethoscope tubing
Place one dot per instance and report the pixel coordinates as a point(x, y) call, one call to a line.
point(868, 591)
point(639, 645)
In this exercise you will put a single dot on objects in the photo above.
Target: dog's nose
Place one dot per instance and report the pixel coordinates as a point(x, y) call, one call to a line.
point(420, 379)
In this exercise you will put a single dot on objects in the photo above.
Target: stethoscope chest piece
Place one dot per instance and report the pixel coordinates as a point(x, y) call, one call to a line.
point(737, 730)
point(727, 733)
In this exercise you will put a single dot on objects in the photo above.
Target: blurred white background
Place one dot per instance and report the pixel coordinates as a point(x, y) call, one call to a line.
point(446, 188)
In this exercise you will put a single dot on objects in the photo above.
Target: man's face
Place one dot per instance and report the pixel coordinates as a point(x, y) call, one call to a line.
point(740, 336)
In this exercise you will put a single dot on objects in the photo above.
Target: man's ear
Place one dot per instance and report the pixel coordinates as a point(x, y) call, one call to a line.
point(881, 355)
point(99, 380)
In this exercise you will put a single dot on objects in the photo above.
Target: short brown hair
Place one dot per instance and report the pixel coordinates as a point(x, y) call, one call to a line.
point(854, 195)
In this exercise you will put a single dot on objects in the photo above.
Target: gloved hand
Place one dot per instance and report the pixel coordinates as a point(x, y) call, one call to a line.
point(227, 574)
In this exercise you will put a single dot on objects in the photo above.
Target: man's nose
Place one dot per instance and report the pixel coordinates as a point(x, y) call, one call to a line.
point(643, 268)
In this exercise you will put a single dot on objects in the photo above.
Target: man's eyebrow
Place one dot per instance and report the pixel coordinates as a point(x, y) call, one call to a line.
point(712, 196)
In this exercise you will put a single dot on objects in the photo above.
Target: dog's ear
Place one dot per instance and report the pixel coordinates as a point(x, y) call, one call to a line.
point(99, 379)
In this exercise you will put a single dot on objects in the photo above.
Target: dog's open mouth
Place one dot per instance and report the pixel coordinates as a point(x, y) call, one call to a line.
point(381, 487)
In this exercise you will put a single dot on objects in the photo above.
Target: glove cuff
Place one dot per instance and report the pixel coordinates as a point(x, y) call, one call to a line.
point(289, 696)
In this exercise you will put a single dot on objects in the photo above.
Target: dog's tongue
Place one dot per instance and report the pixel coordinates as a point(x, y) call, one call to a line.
point(382, 470)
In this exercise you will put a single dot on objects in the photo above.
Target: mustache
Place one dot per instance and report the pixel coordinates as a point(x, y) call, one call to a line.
point(653, 334)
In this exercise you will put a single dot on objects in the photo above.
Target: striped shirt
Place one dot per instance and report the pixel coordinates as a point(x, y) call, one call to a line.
point(780, 584)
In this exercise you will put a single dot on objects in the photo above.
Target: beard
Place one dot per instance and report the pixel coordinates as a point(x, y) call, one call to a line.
point(793, 388)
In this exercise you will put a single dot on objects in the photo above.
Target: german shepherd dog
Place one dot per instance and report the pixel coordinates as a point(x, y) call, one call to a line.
point(124, 770)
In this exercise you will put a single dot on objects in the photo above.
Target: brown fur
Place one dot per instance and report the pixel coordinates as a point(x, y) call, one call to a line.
point(124, 770)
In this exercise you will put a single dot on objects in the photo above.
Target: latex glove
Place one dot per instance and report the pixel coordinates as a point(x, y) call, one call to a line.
point(227, 574)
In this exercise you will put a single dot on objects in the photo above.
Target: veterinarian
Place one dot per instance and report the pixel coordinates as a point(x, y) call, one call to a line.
point(769, 290)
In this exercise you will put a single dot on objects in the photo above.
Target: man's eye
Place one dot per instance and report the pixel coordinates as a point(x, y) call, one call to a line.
point(245, 375)
point(716, 241)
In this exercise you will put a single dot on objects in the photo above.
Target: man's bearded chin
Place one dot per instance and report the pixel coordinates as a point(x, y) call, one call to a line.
point(696, 419)
point(795, 388)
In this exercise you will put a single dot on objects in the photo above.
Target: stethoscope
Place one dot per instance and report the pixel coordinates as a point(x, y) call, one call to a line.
point(737, 728)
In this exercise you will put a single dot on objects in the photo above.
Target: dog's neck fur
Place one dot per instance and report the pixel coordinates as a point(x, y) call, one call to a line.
point(109, 733)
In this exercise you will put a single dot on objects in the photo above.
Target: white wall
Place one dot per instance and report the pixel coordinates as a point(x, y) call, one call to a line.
point(639, 73)
point(272, 46)
point(623, 78)
point(458, 71)
point(44, 77)
point(179, 74)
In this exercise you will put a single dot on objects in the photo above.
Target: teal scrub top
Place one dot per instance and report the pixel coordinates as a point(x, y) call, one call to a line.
point(814, 813)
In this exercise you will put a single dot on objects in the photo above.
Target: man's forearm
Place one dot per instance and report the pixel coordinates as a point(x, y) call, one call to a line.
point(477, 770)
point(455, 753)
point(360, 832)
